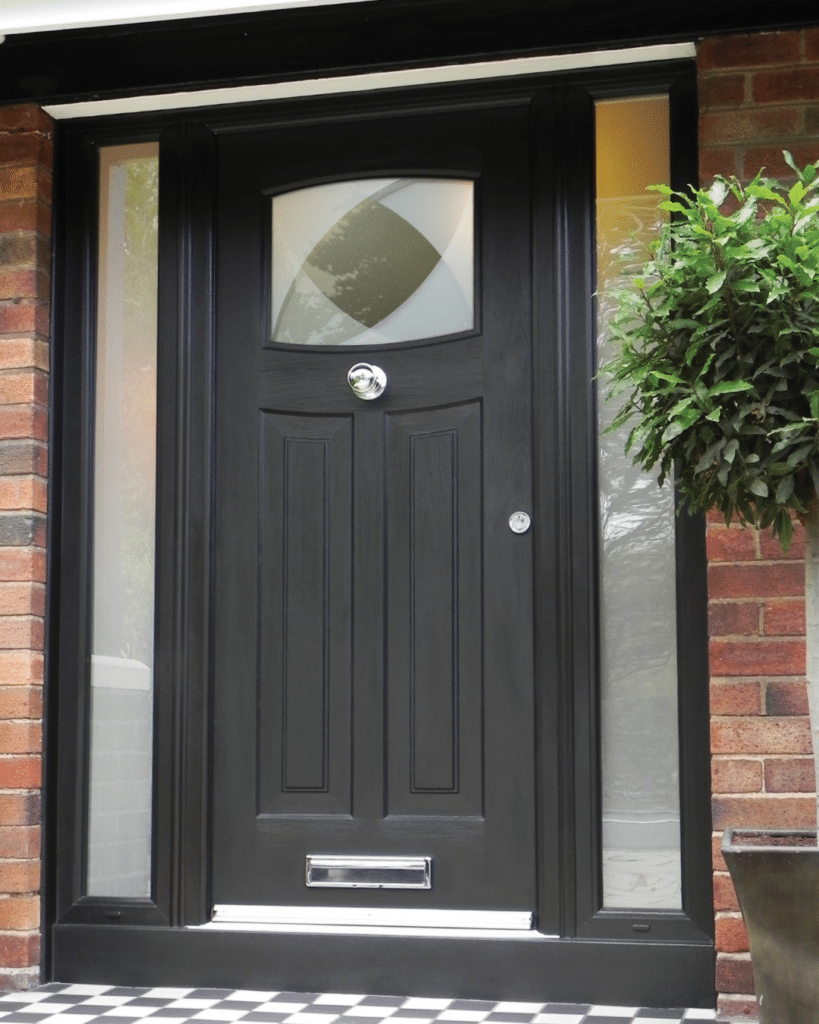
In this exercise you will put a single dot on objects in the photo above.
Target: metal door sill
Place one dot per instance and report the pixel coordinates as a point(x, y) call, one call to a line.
point(474, 924)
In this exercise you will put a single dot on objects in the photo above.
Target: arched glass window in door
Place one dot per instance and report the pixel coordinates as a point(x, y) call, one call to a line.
point(372, 262)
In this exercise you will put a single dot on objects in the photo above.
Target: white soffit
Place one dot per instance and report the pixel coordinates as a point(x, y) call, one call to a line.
point(17, 16)
point(367, 82)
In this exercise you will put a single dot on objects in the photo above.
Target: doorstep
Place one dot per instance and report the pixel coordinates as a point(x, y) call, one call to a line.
point(107, 1004)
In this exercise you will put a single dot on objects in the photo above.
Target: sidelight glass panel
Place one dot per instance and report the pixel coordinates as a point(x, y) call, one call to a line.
point(372, 262)
point(122, 658)
point(639, 738)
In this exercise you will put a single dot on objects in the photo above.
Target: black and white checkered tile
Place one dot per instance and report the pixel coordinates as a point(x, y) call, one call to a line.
point(103, 1004)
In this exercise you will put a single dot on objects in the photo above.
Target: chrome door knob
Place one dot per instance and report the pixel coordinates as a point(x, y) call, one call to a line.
point(367, 381)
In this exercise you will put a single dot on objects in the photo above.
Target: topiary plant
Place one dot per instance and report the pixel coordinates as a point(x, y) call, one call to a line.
point(719, 350)
point(718, 358)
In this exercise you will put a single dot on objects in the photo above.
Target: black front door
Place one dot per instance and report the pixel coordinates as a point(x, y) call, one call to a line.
point(374, 635)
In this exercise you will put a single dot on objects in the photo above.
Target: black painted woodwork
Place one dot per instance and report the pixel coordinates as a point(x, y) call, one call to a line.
point(537, 970)
point(370, 598)
point(347, 38)
point(602, 955)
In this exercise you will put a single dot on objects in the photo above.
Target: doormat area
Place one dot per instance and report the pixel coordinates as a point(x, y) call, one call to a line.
point(81, 1004)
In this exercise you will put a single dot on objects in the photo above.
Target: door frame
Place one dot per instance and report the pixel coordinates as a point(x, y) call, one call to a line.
point(132, 941)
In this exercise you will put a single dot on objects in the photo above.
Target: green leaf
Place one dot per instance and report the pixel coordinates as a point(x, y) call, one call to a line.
point(715, 282)
point(758, 487)
point(761, 192)
point(785, 489)
point(718, 192)
point(727, 387)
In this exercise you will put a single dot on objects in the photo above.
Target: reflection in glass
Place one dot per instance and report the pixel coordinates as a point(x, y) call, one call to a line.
point(120, 770)
point(372, 262)
point(639, 738)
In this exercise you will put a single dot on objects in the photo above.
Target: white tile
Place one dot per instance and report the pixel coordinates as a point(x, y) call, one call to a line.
point(129, 1010)
point(425, 1004)
point(247, 996)
point(518, 1008)
point(168, 993)
point(700, 1015)
point(370, 1011)
point(339, 999)
point(613, 1011)
point(558, 1018)
point(212, 1013)
point(311, 1018)
point(468, 1015)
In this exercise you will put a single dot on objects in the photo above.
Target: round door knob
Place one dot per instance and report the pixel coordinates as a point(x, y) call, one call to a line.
point(367, 381)
point(519, 522)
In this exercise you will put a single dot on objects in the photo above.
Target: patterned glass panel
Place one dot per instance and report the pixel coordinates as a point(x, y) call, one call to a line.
point(122, 657)
point(638, 698)
point(372, 262)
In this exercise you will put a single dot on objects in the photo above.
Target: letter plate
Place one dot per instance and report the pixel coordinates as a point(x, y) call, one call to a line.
point(368, 872)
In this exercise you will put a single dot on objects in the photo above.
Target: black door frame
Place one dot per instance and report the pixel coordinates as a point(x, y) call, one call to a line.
point(652, 958)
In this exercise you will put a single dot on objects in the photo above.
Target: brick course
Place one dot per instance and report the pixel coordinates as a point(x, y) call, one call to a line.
point(758, 95)
point(25, 243)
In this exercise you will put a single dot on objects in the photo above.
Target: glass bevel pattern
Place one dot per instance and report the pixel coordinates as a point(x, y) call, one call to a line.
point(372, 262)
point(122, 658)
point(638, 693)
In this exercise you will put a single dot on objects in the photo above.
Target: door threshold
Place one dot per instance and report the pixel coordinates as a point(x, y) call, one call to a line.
point(373, 921)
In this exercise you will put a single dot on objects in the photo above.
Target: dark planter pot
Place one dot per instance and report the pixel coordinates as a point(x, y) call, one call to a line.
point(777, 882)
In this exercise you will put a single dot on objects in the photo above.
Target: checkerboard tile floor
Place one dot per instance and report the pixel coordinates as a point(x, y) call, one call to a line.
point(103, 1004)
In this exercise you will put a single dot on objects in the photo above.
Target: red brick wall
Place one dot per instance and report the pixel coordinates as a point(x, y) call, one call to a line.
point(25, 240)
point(759, 94)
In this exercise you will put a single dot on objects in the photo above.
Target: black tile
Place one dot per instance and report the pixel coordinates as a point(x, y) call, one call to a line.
point(113, 1019)
point(124, 991)
point(62, 997)
point(30, 1017)
point(233, 1004)
point(169, 1011)
point(470, 1004)
point(265, 1017)
point(8, 1004)
point(660, 1014)
point(410, 1012)
point(606, 1019)
point(382, 1001)
point(209, 993)
point(503, 1017)
point(56, 986)
point(567, 1008)
point(85, 1008)
point(326, 1008)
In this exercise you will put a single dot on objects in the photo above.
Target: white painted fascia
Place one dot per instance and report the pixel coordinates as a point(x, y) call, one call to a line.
point(18, 16)
point(366, 82)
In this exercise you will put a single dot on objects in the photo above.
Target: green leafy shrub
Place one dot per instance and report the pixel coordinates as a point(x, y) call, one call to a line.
point(719, 350)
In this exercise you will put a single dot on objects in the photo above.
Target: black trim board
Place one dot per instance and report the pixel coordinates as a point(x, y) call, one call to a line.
point(524, 969)
point(289, 44)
